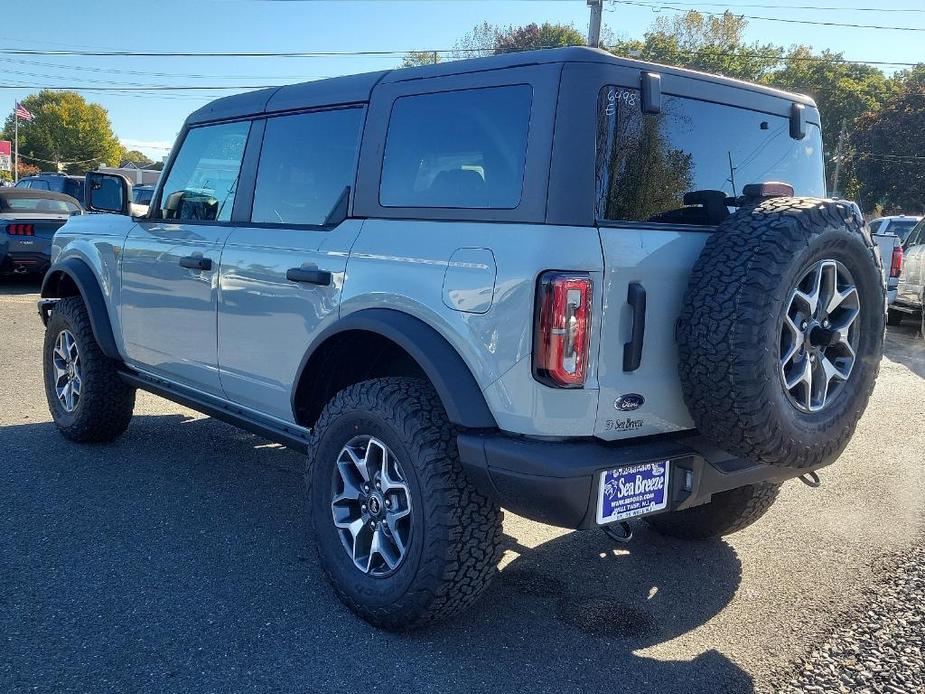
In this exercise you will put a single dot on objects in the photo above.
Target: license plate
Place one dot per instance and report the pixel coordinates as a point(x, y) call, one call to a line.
point(632, 491)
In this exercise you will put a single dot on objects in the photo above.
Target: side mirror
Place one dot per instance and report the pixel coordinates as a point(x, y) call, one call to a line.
point(106, 192)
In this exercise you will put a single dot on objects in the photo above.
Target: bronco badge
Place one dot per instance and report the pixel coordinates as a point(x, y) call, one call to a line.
point(629, 402)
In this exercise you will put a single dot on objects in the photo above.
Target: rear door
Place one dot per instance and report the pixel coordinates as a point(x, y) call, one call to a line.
point(170, 261)
point(661, 186)
point(912, 279)
point(282, 273)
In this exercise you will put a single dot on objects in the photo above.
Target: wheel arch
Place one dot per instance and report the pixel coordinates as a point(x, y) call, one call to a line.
point(73, 277)
point(396, 344)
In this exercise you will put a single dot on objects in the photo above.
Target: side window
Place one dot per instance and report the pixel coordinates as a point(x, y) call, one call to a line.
point(24, 184)
point(40, 185)
point(679, 166)
point(203, 179)
point(875, 226)
point(307, 164)
point(917, 235)
point(463, 149)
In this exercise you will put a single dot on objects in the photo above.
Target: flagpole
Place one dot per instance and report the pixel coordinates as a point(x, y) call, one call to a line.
point(16, 138)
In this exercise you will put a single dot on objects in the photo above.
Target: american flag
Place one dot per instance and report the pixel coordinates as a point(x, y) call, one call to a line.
point(22, 113)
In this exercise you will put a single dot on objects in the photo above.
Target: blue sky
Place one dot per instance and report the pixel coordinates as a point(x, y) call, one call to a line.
point(149, 120)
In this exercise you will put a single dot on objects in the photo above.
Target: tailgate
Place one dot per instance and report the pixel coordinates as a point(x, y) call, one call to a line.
point(658, 261)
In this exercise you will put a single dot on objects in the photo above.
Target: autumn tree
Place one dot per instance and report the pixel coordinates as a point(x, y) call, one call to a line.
point(415, 58)
point(709, 43)
point(66, 131)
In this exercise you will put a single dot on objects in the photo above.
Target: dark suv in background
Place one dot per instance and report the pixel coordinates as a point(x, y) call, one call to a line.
point(56, 183)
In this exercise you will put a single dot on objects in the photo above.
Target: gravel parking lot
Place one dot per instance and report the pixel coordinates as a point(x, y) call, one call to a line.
point(176, 559)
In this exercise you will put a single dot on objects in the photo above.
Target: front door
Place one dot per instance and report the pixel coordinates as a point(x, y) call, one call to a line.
point(912, 279)
point(282, 274)
point(170, 262)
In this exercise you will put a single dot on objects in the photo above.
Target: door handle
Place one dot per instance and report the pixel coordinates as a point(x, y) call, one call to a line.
point(309, 276)
point(196, 262)
point(632, 350)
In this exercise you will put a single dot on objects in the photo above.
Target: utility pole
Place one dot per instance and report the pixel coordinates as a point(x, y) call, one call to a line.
point(839, 149)
point(594, 28)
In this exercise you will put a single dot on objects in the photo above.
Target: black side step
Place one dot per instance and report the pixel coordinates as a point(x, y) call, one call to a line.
point(292, 437)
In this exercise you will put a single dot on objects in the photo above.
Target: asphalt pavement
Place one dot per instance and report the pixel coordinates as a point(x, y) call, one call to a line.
point(176, 560)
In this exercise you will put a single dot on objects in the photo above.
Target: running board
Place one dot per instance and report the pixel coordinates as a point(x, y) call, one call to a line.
point(293, 436)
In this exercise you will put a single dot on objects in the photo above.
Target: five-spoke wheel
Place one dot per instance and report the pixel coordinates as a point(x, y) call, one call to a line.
point(819, 338)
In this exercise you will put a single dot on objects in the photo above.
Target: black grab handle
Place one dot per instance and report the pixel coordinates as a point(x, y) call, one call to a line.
point(309, 276)
point(196, 262)
point(632, 350)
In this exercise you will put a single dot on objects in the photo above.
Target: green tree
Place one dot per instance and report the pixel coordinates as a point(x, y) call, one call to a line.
point(887, 153)
point(135, 157)
point(842, 91)
point(65, 130)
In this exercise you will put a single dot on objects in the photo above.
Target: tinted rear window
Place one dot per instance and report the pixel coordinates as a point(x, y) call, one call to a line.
point(464, 149)
point(307, 164)
point(646, 163)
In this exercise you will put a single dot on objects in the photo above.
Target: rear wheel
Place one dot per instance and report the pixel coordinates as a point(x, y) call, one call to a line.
point(88, 400)
point(402, 534)
point(728, 512)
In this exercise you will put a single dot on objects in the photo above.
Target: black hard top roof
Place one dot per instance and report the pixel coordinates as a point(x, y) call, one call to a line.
point(358, 88)
point(32, 193)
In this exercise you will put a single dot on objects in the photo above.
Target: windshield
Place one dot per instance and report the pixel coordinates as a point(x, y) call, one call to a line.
point(142, 196)
point(40, 205)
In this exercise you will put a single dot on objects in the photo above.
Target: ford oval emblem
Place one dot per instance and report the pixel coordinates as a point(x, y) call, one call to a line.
point(629, 402)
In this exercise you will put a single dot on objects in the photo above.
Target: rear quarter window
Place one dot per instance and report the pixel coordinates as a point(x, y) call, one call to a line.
point(647, 163)
point(461, 149)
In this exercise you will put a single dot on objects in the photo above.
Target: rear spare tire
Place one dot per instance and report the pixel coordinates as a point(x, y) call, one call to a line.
point(781, 331)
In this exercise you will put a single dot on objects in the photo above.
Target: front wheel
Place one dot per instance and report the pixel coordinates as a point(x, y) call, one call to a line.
point(727, 512)
point(894, 317)
point(87, 399)
point(402, 534)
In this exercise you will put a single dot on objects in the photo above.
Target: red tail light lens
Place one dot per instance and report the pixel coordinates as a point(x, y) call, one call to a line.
point(896, 265)
point(20, 230)
point(563, 327)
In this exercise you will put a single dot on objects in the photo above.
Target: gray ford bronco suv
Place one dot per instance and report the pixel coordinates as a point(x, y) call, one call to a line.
point(579, 287)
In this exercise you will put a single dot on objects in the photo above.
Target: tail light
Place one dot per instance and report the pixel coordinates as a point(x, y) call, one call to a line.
point(20, 230)
point(563, 327)
point(896, 264)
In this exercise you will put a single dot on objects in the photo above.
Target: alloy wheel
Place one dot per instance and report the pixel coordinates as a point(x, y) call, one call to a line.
point(67, 371)
point(819, 337)
point(371, 506)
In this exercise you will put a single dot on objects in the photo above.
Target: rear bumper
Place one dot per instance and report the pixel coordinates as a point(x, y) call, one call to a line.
point(556, 482)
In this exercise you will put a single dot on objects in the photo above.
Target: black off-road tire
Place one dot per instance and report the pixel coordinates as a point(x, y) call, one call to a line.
point(729, 332)
point(104, 409)
point(455, 539)
point(727, 512)
point(894, 317)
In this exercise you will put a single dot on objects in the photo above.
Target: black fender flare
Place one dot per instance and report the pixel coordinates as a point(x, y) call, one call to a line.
point(88, 286)
point(457, 388)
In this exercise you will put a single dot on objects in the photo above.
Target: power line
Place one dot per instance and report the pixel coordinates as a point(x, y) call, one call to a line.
point(671, 8)
point(834, 8)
